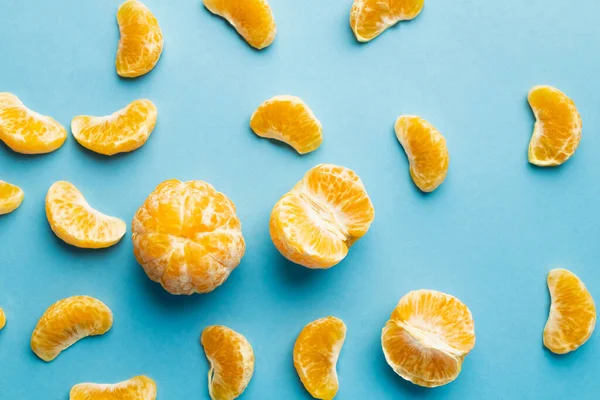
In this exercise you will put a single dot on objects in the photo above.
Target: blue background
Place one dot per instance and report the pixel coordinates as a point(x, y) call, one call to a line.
point(488, 235)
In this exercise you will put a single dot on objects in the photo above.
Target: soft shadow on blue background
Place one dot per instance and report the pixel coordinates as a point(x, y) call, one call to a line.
point(488, 235)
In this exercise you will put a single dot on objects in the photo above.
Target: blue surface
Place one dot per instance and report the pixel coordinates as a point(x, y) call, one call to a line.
point(488, 235)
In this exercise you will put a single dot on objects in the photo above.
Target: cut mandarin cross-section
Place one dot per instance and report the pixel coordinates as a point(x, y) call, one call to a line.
point(288, 119)
point(188, 237)
point(316, 354)
point(557, 130)
point(369, 18)
point(316, 223)
point(68, 321)
point(25, 131)
point(11, 197)
point(231, 362)
point(123, 131)
point(141, 42)
point(572, 316)
point(427, 337)
point(2, 319)
point(426, 150)
point(76, 223)
point(136, 388)
point(252, 19)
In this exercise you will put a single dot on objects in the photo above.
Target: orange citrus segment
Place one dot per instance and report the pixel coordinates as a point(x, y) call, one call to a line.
point(572, 316)
point(427, 337)
point(123, 131)
point(557, 129)
point(288, 119)
point(68, 321)
point(187, 237)
point(231, 362)
point(315, 356)
point(11, 197)
point(426, 150)
point(26, 131)
point(316, 223)
point(369, 18)
point(141, 42)
point(136, 388)
point(252, 19)
point(76, 223)
point(2, 319)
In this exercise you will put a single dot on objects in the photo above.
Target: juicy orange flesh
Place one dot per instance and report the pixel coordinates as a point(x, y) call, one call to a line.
point(231, 361)
point(289, 120)
point(369, 18)
point(252, 19)
point(137, 388)
point(426, 150)
point(11, 197)
point(2, 319)
point(67, 321)
point(316, 352)
point(188, 237)
point(557, 131)
point(572, 315)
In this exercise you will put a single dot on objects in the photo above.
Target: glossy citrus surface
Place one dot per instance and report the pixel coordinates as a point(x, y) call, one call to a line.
point(11, 197)
point(68, 321)
point(136, 388)
point(2, 319)
point(369, 18)
point(231, 361)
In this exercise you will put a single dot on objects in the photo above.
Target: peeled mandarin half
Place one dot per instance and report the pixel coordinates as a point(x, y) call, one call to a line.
point(11, 197)
point(76, 223)
point(369, 18)
point(231, 362)
point(315, 356)
point(557, 129)
point(317, 222)
point(252, 19)
point(137, 388)
point(141, 42)
point(68, 321)
point(427, 337)
point(2, 319)
point(288, 119)
point(187, 237)
point(572, 316)
point(426, 150)
point(123, 131)
point(25, 131)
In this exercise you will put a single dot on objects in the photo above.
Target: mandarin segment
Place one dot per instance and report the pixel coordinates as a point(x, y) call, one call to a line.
point(557, 130)
point(68, 321)
point(11, 197)
point(25, 131)
point(252, 19)
point(426, 150)
point(75, 222)
point(231, 361)
point(289, 120)
point(572, 317)
point(141, 40)
point(187, 237)
point(316, 353)
point(316, 223)
point(137, 388)
point(369, 18)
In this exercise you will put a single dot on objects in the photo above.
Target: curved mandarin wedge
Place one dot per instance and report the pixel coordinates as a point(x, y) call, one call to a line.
point(572, 316)
point(141, 42)
point(426, 150)
point(288, 119)
point(25, 131)
point(427, 337)
point(11, 197)
point(369, 18)
point(2, 319)
point(68, 321)
point(123, 131)
point(136, 388)
point(231, 362)
point(557, 130)
point(252, 19)
point(315, 356)
point(187, 237)
point(75, 222)
point(316, 223)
